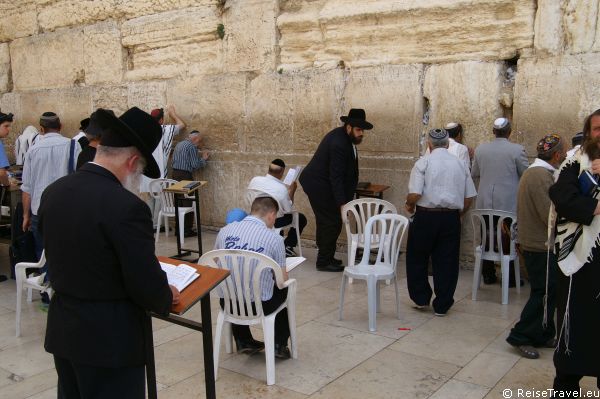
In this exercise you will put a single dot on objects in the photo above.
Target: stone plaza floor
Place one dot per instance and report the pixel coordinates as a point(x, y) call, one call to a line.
point(463, 355)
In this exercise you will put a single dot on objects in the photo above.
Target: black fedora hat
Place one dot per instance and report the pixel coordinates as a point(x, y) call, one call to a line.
point(135, 128)
point(357, 118)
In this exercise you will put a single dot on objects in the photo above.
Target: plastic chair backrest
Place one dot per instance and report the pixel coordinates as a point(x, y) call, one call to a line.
point(238, 291)
point(157, 187)
point(391, 229)
point(361, 210)
point(483, 222)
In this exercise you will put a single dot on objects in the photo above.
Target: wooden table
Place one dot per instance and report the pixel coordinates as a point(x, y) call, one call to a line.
point(199, 290)
point(179, 193)
point(373, 191)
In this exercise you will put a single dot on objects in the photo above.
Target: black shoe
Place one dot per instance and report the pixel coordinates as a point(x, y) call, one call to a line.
point(330, 268)
point(249, 347)
point(336, 262)
point(2, 278)
point(282, 352)
point(490, 279)
point(190, 233)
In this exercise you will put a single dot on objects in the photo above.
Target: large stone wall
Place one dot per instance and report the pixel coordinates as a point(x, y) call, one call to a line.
point(281, 72)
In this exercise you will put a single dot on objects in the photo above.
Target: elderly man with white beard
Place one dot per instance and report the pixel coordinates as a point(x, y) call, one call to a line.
point(99, 243)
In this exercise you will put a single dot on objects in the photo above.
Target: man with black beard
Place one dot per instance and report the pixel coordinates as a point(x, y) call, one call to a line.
point(329, 180)
point(99, 243)
point(576, 198)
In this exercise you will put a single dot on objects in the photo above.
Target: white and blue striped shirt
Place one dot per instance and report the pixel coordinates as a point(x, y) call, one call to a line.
point(186, 157)
point(252, 234)
point(45, 162)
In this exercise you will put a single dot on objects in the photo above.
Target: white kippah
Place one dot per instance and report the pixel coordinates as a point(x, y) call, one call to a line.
point(500, 123)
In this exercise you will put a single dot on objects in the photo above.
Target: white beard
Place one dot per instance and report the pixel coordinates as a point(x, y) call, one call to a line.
point(132, 181)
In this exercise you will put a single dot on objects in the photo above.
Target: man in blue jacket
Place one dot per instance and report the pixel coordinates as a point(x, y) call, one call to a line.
point(329, 180)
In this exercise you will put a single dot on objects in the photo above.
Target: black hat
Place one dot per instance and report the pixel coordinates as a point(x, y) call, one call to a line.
point(83, 124)
point(134, 128)
point(577, 139)
point(357, 118)
point(93, 128)
point(6, 117)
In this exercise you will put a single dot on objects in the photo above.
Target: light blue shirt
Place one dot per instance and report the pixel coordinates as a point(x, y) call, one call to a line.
point(3, 158)
point(45, 162)
point(252, 234)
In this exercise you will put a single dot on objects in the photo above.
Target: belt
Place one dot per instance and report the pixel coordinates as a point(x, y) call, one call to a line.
point(424, 209)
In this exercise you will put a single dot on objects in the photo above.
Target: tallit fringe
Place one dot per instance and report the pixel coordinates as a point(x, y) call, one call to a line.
point(566, 321)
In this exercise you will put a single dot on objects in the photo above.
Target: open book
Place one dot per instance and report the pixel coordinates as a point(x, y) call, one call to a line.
point(292, 262)
point(179, 276)
point(292, 175)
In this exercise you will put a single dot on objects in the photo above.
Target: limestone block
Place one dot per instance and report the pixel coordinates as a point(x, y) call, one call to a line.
point(214, 105)
point(393, 32)
point(70, 104)
point(581, 18)
point(172, 43)
point(111, 97)
point(466, 92)
point(392, 99)
point(11, 103)
point(103, 55)
point(549, 31)
point(250, 35)
point(17, 19)
point(554, 95)
point(147, 96)
point(5, 78)
point(48, 61)
point(64, 13)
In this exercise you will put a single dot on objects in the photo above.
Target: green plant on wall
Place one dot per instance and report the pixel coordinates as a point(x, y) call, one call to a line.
point(221, 31)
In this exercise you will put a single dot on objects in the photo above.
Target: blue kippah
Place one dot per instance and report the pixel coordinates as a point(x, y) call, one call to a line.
point(235, 215)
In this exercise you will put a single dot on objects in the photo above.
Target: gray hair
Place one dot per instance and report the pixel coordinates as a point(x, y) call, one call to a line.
point(438, 143)
point(119, 153)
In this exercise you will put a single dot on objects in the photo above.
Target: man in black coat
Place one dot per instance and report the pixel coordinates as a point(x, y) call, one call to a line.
point(100, 248)
point(329, 180)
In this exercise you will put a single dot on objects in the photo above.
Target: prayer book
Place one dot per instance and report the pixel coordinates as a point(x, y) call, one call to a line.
point(292, 262)
point(587, 183)
point(179, 276)
point(292, 175)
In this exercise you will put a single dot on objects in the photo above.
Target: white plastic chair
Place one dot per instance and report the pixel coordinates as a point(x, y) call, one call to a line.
point(167, 206)
point(240, 291)
point(482, 220)
point(390, 228)
point(361, 210)
point(29, 284)
point(296, 225)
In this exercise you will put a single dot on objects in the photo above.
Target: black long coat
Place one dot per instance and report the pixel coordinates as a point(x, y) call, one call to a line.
point(332, 173)
point(584, 309)
point(101, 262)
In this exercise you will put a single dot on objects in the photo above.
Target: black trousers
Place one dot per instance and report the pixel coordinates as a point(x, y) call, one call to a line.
point(291, 240)
point(569, 383)
point(435, 235)
point(529, 330)
point(78, 381)
point(488, 267)
point(282, 327)
point(188, 219)
point(328, 219)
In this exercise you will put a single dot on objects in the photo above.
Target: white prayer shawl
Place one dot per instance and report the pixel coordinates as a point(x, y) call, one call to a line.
point(161, 154)
point(24, 141)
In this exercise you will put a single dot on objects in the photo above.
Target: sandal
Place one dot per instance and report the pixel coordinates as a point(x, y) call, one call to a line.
point(527, 351)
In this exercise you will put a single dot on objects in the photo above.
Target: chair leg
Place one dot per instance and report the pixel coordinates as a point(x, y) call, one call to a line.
point(372, 301)
point(228, 338)
point(378, 286)
point(157, 228)
point(166, 219)
point(517, 274)
point(269, 334)
point(292, 324)
point(342, 291)
point(18, 315)
point(476, 275)
point(505, 266)
point(352, 257)
point(181, 217)
point(217, 344)
point(397, 296)
point(29, 295)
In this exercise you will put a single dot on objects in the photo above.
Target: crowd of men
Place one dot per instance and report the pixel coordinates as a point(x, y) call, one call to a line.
point(81, 201)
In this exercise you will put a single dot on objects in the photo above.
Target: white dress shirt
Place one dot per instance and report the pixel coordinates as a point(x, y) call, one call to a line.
point(442, 181)
point(459, 150)
point(273, 187)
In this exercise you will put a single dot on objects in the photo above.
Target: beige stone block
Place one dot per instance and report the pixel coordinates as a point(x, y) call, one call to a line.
point(18, 19)
point(549, 30)
point(110, 97)
point(172, 43)
point(48, 61)
point(385, 32)
point(466, 92)
point(581, 19)
point(5, 78)
point(214, 105)
point(103, 55)
point(554, 95)
point(396, 118)
point(250, 42)
point(147, 95)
